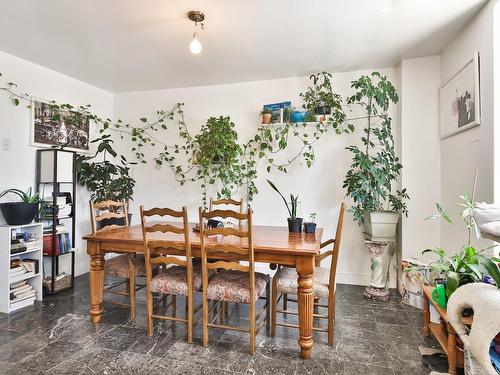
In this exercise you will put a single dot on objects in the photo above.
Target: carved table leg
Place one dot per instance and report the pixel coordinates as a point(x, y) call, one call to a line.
point(305, 269)
point(96, 282)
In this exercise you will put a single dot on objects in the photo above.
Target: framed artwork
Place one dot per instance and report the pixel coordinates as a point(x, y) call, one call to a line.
point(460, 100)
point(53, 126)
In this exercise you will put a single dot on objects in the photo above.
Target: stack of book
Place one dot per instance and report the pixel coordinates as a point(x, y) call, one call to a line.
point(22, 291)
point(62, 241)
point(62, 208)
point(22, 269)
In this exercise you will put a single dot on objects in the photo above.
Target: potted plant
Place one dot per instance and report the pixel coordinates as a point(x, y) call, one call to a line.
point(266, 116)
point(310, 226)
point(23, 212)
point(468, 264)
point(294, 222)
point(375, 166)
point(103, 178)
point(319, 98)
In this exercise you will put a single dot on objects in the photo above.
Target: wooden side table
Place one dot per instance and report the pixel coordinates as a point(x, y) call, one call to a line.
point(446, 338)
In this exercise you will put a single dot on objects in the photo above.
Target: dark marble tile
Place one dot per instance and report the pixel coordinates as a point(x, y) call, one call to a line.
point(50, 356)
point(370, 338)
point(119, 338)
point(156, 345)
point(21, 347)
point(320, 366)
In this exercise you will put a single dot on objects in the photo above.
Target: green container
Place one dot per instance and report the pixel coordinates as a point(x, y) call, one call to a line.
point(439, 295)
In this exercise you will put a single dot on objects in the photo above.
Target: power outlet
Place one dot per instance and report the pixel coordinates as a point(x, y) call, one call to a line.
point(5, 144)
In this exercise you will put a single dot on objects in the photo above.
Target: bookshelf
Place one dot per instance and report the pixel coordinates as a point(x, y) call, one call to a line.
point(56, 183)
point(21, 265)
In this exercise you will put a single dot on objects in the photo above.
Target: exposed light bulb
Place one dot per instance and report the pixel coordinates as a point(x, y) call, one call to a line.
point(195, 45)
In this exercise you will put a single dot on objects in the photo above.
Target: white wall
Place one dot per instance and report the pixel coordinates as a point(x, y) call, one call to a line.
point(17, 166)
point(420, 152)
point(319, 188)
point(463, 153)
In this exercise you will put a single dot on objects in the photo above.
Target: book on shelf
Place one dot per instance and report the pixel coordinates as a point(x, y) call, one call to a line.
point(62, 244)
point(21, 291)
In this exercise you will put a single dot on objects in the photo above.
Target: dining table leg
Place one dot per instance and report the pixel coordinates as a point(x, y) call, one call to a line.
point(96, 280)
point(305, 270)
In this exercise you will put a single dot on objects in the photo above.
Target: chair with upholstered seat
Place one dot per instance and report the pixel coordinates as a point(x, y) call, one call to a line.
point(167, 273)
point(234, 282)
point(285, 282)
point(225, 202)
point(109, 215)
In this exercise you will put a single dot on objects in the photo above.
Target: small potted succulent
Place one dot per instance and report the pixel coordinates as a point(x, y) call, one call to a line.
point(23, 212)
point(294, 222)
point(266, 116)
point(310, 226)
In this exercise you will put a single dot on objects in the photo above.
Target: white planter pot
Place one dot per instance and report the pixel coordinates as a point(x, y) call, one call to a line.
point(380, 226)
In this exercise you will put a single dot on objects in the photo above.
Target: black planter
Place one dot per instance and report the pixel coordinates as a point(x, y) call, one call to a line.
point(19, 213)
point(310, 227)
point(295, 225)
point(322, 110)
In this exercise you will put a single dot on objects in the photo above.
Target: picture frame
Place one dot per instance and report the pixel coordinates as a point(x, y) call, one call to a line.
point(52, 126)
point(460, 99)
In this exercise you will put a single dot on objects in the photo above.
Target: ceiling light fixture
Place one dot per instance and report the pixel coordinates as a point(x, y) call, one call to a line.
point(197, 17)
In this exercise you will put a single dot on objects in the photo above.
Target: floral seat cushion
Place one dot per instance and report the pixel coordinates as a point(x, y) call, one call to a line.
point(119, 267)
point(173, 280)
point(233, 286)
point(287, 281)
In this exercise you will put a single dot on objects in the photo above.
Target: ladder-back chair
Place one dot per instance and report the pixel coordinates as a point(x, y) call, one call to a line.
point(234, 282)
point(285, 282)
point(108, 215)
point(181, 279)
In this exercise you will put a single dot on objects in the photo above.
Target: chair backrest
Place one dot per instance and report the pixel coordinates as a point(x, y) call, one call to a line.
point(162, 247)
point(103, 212)
point(228, 253)
point(336, 246)
point(226, 202)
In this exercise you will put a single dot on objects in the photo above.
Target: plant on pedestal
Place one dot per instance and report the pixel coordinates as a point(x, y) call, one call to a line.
point(375, 166)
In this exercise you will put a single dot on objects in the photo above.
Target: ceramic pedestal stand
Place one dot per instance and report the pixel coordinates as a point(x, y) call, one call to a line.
point(381, 253)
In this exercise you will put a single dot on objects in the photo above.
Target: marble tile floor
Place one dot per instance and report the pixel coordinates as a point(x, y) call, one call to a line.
point(56, 337)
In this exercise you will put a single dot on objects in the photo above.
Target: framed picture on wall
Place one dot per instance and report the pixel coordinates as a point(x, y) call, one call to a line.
point(460, 100)
point(55, 126)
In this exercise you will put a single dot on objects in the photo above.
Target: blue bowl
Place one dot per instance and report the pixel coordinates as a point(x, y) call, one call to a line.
point(297, 116)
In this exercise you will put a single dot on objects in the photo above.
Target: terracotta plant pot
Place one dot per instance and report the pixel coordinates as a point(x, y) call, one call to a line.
point(266, 118)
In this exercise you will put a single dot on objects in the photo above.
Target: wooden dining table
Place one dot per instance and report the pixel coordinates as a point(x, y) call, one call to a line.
point(272, 244)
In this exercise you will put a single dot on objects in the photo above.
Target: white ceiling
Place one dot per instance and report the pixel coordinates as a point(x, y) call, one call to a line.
point(128, 45)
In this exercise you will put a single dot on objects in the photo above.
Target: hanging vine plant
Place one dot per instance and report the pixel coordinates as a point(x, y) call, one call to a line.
point(214, 155)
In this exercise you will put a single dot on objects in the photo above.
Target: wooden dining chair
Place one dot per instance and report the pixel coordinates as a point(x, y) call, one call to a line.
point(285, 282)
point(234, 282)
point(226, 202)
point(181, 279)
point(105, 216)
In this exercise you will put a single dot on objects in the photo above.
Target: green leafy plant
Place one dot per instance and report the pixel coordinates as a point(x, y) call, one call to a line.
point(105, 179)
point(375, 167)
point(312, 217)
point(320, 98)
point(26, 197)
point(468, 264)
point(184, 153)
point(290, 206)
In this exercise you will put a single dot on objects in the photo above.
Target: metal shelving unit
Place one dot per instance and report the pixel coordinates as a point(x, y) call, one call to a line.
point(56, 173)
